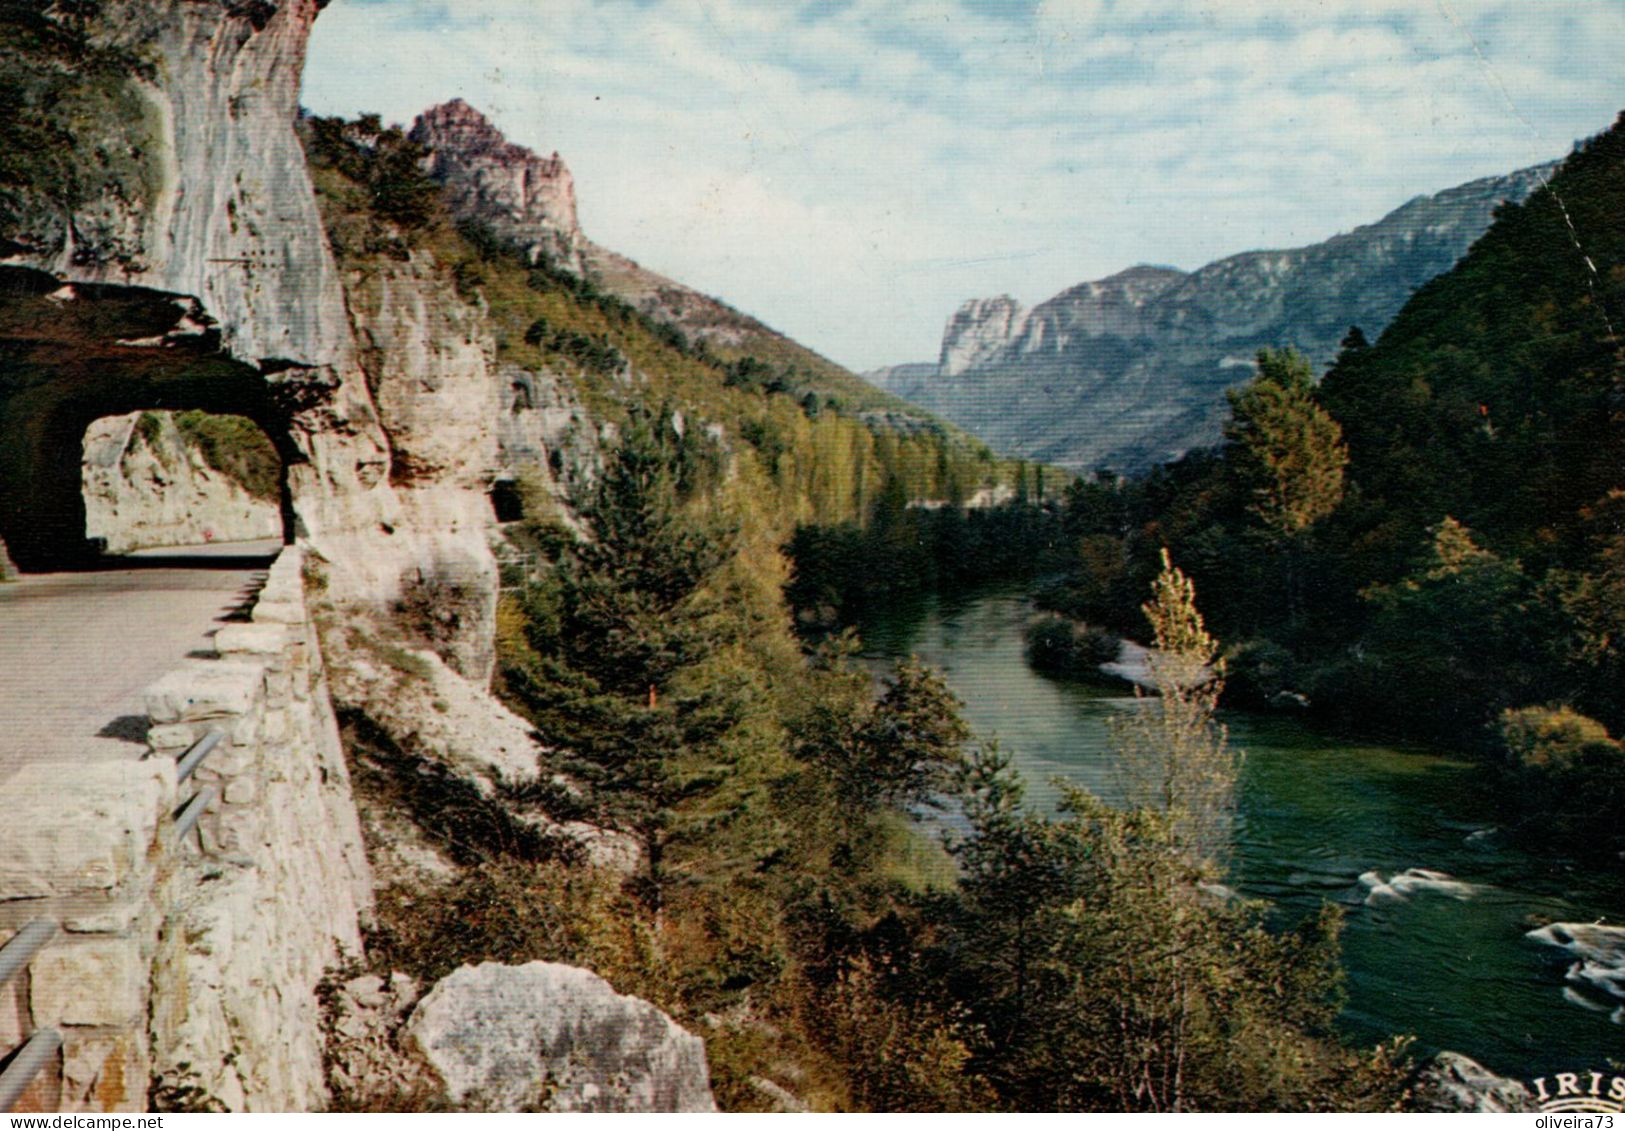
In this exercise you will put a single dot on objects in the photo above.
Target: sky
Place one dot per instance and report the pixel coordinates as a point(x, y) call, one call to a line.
point(850, 171)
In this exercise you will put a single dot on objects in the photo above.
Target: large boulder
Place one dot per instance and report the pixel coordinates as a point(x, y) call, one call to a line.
point(555, 1037)
point(1451, 1082)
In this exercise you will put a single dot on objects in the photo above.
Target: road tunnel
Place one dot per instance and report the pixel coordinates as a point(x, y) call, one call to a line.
point(71, 354)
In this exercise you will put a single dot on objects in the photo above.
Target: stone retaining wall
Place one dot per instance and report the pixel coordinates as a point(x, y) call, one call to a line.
point(193, 965)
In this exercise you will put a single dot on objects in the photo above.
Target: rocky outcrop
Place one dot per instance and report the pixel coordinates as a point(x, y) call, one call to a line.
point(558, 1038)
point(424, 719)
point(150, 487)
point(1131, 370)
point(530, 200)
point(1451, 1082)
point(1596, 977)
point(977, 332)
point(521, 195)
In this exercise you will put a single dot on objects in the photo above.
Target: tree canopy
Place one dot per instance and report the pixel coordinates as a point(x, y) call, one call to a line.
point(1286, 450)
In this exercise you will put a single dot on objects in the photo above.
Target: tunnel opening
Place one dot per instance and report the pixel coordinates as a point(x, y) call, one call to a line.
point(154, 480)
point(507, 501)
point(75, 354)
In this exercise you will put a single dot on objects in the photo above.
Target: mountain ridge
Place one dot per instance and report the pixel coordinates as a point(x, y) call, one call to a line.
point(1130, 370)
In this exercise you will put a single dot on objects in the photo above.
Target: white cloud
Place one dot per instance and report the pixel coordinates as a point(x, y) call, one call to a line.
point(851, 171)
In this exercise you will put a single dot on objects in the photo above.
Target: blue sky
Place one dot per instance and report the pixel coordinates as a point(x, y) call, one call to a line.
point(851, 170)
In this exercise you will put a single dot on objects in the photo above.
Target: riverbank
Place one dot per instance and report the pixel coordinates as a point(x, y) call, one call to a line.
point(1454, 966)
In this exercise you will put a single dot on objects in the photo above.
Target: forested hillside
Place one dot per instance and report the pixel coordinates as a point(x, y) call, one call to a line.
point(1432, 541)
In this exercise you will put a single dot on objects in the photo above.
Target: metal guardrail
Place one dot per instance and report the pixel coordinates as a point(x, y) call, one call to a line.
point(32, 1057)
point(36, 1052)
point(186, 817)
point(26, 1063)
point(194, 754)
point(21, 948)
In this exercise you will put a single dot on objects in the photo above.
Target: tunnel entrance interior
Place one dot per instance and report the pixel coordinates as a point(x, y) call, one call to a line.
point(173, 479)
point(73, 354)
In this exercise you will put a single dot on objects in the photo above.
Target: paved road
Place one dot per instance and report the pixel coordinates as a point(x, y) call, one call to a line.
point(78, 649)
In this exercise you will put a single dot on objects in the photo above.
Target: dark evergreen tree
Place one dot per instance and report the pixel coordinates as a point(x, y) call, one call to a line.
point(613, 627)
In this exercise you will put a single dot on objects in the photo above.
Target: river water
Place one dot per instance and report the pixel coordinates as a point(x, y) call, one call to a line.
point(1444, 958)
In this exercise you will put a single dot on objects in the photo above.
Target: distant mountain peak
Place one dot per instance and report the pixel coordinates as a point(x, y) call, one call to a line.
point(1130, 370)
point(530, 201)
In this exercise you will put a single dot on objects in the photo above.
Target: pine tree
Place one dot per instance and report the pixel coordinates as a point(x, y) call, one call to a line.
point(1287, 456)
point(901, 751)
point(611, 632)
point(1287, 451)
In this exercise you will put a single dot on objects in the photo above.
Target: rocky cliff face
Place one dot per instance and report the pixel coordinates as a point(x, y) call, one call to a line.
point(976, 333)
point(522, 196)
point(146, 485)
point(212, 199)
point(195, 269)
point(530, 200)
point(1131, 370)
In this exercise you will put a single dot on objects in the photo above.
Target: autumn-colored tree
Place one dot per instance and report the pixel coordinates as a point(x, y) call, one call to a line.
point(1287, 451)
point(1174, 758)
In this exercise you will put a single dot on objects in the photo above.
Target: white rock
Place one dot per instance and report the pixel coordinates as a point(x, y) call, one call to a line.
point(202, 689)
point(93, 836)
point(1600, 949)
point(1412, 881)
point(1451, 1082)
point(94, 982)
point(161, 492)
point(507, 1037)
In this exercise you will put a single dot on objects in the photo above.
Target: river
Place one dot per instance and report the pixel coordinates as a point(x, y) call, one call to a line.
point(1447, 960)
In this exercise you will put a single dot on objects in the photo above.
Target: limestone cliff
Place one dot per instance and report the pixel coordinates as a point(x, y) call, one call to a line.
point(212, 202)
point(146, 484)
point(529, 199)
point(169, 254)
point(522, 196)
point(1131, 370)
point(976, 333)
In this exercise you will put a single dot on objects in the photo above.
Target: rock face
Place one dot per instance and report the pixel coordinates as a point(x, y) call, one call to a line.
point(523, 196)
point(386, 423)
point(1130, 371)
point(1451, 1082)
point(977, 332)
point(530, 200)
point(157, 490)
point(510, 1038)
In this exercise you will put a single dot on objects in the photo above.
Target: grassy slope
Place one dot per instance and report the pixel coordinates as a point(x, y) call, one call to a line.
point(742, 336)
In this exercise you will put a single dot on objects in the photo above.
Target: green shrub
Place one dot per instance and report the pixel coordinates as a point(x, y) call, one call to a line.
point(234, 446)
point(1064, 647)
point(1555, 739)
point(1565, 768)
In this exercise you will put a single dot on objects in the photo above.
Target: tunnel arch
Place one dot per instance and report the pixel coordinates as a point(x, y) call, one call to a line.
point(73, 353)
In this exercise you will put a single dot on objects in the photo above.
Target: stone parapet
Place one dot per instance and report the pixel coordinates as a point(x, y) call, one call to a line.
point(186, 969)
point(82, 846)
